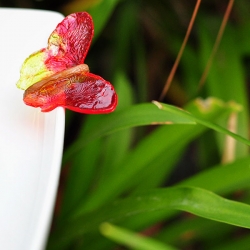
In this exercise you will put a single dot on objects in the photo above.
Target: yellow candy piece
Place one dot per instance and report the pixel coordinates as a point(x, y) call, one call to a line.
point(33, 70)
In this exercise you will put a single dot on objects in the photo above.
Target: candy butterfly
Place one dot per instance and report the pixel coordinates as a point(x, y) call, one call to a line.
point(57, 76)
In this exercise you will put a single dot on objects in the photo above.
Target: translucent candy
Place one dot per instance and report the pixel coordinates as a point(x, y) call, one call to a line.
point(57, 76)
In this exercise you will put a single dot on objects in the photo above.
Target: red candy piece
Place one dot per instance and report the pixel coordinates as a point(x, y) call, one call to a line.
point(71, 85)
point(75, 89)
point(69, 43)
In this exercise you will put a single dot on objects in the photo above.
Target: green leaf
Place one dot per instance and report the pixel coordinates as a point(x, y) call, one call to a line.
point(168, 140)
point(226, 79)
point(112, 154)
point(131, 239)
point(128, 173)
point(122, 39)
point(226, 177)
point(80, 175)
point(194, 200)
point(196, 227)
point(101, 13)
point(222, 179)
point(183, 113)
point(136, 115)
point(241, 242)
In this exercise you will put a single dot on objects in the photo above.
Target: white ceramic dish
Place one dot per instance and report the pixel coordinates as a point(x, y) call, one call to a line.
point(31, 142)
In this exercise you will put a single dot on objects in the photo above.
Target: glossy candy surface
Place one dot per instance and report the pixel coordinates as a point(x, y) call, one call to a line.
point(57, 76)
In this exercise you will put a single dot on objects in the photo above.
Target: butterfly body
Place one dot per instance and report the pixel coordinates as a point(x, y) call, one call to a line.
point(57, 76)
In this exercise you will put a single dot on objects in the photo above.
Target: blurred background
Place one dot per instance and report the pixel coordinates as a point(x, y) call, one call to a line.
point(135, 45)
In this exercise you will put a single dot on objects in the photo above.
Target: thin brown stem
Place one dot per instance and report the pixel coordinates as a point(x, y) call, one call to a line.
point(216, 44)
point(176, 63)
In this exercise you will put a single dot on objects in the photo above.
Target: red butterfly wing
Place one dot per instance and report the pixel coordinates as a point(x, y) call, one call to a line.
point(75, 89)
point(91, 95)
point(69, 43)
point(67, 47)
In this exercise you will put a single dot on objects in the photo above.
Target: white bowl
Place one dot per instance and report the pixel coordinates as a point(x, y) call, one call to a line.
point(31, 142)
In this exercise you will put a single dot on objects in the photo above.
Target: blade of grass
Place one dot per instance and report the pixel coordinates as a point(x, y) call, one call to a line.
point(166, 139)
point(122, 40)
point(208, 124)
point(131, 239)
point(227, 71)
point(217, 43)
point(100, 13)
point(194, 200)
point(157, 172)
point(112, 153)
point(128, 172)
point(222, 179)
point(81, 174)
point(241, 243)
point(219, 178)
point(193, 227)
point(173, 70)
point(136, 115)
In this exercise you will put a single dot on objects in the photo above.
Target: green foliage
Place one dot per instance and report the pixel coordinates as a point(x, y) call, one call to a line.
point(170, 174)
